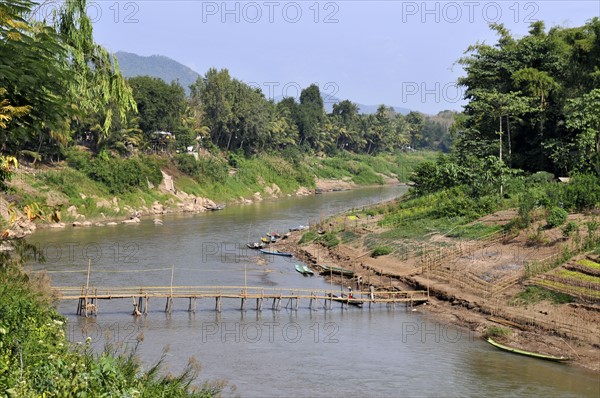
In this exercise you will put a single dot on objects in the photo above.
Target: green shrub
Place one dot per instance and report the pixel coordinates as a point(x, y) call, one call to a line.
point(37, 360)
point(308, 237)
point(527, 203)
point(233, 159)
point(556, 217)
point(535, 294)
point(537, 238)
point(79, 160)
point(496, 331)
point(329, 239)
point(187, 164)
point(582, 192)
point(568, 229)
point(118, 175)
point(381, 251)
point(212, 169)
point(540, 178)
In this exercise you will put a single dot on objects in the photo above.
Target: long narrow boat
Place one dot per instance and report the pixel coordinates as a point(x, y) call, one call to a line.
point(336, 270)
point(300, 269)
point(276, 253)
point(345, 299)
point(307, 270)
point(527, 353)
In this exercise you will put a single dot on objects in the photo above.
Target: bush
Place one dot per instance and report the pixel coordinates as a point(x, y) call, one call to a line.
point(308, 237)
point(37, 359)
point(528, 201)
point(582, 192)
point(79, 160)
point(496, 331)
point(556, 217)
point(329, 239)
point(540, 178)
point(118, 175)
point(381, 251)
point(568, 229)
point(537, 238)
point(187, 164)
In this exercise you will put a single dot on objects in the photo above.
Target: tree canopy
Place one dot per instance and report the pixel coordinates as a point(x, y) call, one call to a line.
point(533, 101)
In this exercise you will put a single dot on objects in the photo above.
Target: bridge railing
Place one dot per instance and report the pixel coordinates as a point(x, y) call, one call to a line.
point(72, 292)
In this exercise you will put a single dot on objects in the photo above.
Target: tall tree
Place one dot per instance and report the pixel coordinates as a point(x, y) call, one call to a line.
point(159, 104)
point(537, 75)
point(583, 117)
point(312, 116)
point(96, 84)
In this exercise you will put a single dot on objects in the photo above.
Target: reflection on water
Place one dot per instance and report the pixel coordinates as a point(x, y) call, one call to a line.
point(350, 352)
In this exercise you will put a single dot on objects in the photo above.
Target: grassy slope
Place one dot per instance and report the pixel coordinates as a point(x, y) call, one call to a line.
point(37, 359)
point(68, 186)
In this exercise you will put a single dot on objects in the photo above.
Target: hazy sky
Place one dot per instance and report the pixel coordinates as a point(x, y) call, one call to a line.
point(394, 52)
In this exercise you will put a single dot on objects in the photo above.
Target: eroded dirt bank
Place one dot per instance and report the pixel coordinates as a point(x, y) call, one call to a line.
point(454, 305)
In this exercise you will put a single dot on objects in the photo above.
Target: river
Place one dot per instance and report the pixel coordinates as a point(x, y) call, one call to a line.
point(350, 352)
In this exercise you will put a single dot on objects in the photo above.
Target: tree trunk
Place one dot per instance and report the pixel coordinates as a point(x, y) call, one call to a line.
point(508, 138)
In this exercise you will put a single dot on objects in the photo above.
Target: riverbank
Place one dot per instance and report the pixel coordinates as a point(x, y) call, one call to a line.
point(58, 195)
point(568, 329)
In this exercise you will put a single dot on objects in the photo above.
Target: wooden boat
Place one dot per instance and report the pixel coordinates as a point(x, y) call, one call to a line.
point(276, 253)
point(336, 270)
point(256, 245)
point(527, 353)
point(307, 270)
point(299, 228)
point(345, 299)
point(300, 269)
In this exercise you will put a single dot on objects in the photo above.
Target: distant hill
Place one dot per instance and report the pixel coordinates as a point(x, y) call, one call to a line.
point(132, 65)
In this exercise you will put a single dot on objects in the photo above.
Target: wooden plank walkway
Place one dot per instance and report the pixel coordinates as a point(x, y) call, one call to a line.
point(88, 298)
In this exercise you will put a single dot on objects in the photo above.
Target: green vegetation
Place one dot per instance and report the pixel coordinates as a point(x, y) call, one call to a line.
point(496, 331)
point(535, 294)
point(578, 276)
point(308, 237)
point(118, 175)
point(447, 212)
point(64, 89)
point(549, 118)
point(570, 228)
point(214, 178)
point(348, 236)
point(568, 289)
point(589, 263)
point(381, 251)
point(329, 239)
point(556, 217)
point(37, 359)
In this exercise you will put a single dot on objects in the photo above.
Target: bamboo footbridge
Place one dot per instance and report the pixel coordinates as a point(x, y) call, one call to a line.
point(88, 298)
